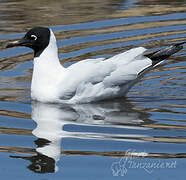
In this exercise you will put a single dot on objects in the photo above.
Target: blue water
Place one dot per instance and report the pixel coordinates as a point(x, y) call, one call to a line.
point(142, 135)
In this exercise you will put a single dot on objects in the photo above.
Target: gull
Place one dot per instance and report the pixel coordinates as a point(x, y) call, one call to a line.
point(88, 80)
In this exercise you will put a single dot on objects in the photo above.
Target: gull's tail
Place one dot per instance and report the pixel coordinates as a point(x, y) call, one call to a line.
point(160, 55)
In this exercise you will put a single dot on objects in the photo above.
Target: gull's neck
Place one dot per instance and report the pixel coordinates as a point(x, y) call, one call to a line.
point(49, 56)
point(47, 72)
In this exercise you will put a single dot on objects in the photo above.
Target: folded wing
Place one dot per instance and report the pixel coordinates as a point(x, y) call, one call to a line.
point(100, 75)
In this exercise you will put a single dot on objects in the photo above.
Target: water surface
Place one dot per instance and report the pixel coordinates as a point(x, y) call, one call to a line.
point(140, 135)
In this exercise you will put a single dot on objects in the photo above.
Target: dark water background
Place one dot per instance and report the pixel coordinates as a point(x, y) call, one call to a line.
point(140, 137)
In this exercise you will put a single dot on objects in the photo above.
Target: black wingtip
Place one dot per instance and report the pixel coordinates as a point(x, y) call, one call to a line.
point(162, 54)
point(179, 44)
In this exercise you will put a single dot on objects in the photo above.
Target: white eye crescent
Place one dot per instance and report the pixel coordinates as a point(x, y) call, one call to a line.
point(34, 37)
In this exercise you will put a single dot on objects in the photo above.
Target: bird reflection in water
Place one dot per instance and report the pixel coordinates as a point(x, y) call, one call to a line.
point(51, 119)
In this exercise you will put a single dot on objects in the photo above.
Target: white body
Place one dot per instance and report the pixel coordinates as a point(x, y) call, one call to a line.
point(88, 80)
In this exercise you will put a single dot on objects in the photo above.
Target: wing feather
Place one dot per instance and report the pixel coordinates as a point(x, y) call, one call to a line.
point(116, 71)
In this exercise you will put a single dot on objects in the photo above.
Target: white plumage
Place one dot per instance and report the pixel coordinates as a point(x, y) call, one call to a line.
point(88, 80)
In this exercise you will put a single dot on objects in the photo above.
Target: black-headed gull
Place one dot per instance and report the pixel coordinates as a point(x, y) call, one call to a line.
point(88, 80)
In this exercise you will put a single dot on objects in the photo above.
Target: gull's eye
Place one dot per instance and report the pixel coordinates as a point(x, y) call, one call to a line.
point(33, 37)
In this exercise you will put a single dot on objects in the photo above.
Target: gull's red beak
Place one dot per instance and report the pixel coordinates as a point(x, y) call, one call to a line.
point(21, 42)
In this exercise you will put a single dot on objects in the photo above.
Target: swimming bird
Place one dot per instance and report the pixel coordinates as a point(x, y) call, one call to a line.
point(88, 80)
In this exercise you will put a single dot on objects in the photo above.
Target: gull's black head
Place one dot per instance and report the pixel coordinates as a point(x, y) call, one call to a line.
point(36, 38)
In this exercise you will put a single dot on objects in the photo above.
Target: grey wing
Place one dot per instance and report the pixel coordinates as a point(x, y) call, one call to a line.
point(87, 71)
point(111, 72)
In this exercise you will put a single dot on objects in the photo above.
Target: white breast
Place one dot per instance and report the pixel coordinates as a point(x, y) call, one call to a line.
point(47, 73)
